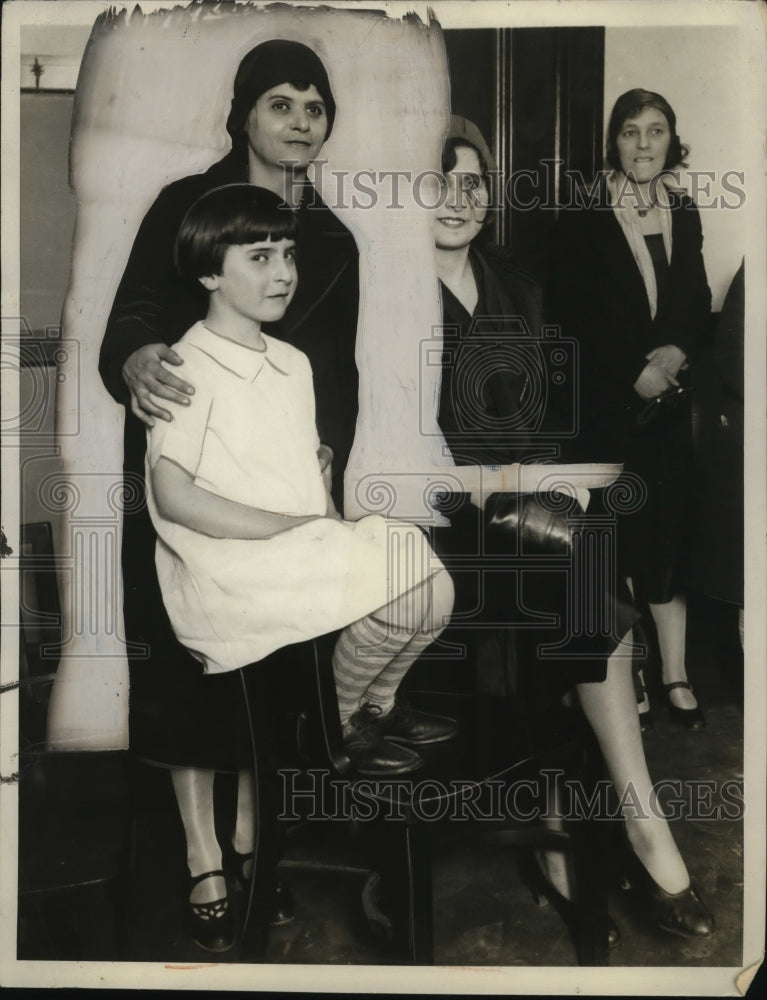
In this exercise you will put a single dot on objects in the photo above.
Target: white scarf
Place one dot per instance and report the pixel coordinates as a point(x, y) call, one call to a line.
point(624, 200)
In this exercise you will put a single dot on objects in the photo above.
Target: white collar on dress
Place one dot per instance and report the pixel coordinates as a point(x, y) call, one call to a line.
point(245, 362)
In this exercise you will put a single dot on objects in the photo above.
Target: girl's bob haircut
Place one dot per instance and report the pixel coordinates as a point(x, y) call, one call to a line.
point(632, 103)
point(233, 215)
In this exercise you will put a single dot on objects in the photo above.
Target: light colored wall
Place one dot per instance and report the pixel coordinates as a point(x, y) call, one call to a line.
point(47, 216)
point(47, 209)
point(700, 71)
point(39, 460)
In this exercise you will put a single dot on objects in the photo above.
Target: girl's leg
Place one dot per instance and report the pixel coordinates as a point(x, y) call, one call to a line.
point(193, 788)
point(424, 614)
point(362, 650)
point(374, 654)
point(671, 623)
point(610, 707)
point(244, 828)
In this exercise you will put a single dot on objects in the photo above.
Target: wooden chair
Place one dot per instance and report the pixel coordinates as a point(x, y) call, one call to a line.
point(76, 809)
point(298, 688)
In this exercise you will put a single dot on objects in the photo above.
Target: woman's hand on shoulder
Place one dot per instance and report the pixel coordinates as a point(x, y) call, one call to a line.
point(653, 381)
point(146, 376)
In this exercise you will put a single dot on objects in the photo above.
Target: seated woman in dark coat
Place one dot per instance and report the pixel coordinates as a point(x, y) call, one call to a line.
point(487, 416)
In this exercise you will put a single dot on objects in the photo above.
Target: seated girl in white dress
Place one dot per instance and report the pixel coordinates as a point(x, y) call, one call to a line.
point(251, 553)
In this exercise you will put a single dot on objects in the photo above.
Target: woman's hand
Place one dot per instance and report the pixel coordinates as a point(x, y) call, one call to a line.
point(670, 357)
point(653, 381)
point(146, 376)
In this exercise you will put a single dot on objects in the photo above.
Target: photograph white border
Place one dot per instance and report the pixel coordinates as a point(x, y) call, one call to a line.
point(703, 981)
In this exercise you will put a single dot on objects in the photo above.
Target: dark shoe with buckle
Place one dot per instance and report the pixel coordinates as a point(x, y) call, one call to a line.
point(405, 724)
point(690, 718)
point(371, 754)
point(283, 908)
point(210, 924)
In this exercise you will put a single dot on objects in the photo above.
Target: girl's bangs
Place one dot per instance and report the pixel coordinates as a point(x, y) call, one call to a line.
point(270, 225)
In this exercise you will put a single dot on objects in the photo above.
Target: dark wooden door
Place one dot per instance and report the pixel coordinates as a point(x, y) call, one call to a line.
point(537, 96)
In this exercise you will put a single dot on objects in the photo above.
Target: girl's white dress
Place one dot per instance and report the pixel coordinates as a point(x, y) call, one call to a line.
point(249, 435)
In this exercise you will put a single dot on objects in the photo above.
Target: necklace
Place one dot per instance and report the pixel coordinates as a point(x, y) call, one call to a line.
point(642, 208)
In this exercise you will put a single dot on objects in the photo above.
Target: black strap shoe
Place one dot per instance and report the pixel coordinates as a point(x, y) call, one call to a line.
point(371, 754)
point(210, 924)
point(405, 724)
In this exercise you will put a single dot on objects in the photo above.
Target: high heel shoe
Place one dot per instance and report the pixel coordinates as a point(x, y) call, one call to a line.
point(544, 892)
point(282, 906)
point(210, 924)
point(690, 718)
point(683, 913)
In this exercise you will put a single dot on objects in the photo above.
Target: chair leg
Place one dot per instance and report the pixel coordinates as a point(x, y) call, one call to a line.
point(590, 847)
point(259, 893)
point(409, 848)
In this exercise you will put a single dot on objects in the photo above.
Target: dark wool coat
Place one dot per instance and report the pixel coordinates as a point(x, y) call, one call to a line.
point(500, 403)
point(594, 291)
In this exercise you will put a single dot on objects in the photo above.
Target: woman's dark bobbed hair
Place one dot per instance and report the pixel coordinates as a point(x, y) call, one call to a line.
point(463, 132)
point(632, 103)
point(232, 215)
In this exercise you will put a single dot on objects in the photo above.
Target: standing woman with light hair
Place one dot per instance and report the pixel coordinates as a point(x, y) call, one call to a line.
point(627, 281)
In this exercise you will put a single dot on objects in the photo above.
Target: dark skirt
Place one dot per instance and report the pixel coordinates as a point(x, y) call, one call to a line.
point(567, 613)
point(654, 524)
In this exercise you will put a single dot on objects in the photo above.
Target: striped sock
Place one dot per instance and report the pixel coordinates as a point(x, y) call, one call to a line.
point(383, 688)
point(363, 651)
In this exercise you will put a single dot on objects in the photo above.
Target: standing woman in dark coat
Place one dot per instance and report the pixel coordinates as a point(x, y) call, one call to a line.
point(281, 114)
point(486, 415)
point(627, 281)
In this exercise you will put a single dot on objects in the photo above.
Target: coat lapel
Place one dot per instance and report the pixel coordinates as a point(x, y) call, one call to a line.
point(620, 268)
